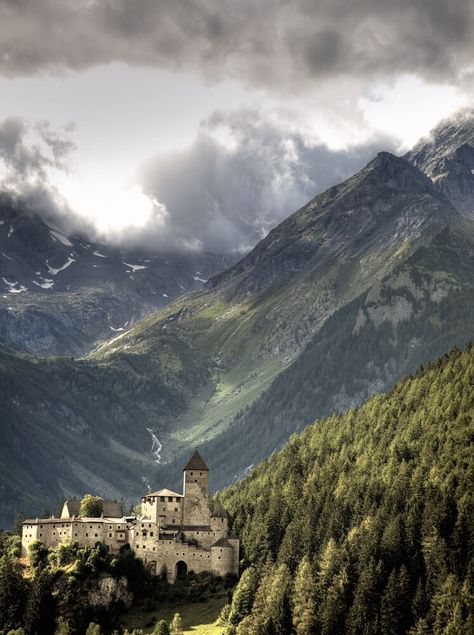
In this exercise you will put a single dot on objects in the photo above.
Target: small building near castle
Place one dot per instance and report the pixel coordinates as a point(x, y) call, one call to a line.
point(175, 533)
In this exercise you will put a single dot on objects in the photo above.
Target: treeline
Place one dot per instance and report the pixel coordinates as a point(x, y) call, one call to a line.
point(364, 524)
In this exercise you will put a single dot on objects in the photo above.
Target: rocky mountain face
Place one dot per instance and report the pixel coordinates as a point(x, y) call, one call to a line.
point(62, 295)
point(447, 157)
point(358, 287)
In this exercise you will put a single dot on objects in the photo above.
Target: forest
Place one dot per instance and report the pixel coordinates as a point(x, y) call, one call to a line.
point(363, 524)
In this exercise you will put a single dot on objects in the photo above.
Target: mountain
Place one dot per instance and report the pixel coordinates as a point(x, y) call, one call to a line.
point(352, 291)
point(447, 157)
point(363, 523)
point(62, 295)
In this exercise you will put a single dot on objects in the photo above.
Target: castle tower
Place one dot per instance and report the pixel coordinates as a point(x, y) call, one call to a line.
point(195, 483)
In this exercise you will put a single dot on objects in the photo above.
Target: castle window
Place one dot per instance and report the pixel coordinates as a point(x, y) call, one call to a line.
point(87, 535)
point(54, 525)
point(75, 534)
point(110, 526)
point(162, 499)
point(164, 509)
point(54, 533)
point(173, 521)
point(200, 473)
point(195, 480)
point(149, 525)
point(41, 535)
point(192, 473)
point(41, 526)
point(95, 535)
point(143, 546)
point(110, 535)
point(175, 509)
point(151, 533)
point(170, 499)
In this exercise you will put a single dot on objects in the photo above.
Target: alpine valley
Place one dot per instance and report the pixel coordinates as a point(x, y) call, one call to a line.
point(370, 279)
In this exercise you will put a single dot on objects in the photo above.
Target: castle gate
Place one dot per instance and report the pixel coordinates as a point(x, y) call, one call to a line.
point(180, 570)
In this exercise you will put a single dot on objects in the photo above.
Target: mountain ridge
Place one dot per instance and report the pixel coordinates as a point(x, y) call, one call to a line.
point(195, 372)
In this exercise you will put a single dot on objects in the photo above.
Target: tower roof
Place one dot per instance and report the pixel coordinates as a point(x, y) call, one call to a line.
point(196, 462)
point(219, 511)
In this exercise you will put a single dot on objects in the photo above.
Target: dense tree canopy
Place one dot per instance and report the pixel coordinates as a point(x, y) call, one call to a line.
point(365, 522)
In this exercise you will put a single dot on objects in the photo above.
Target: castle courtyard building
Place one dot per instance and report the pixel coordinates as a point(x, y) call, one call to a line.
point(175, 533)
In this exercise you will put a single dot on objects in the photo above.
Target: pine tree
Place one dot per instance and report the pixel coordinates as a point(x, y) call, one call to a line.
point(243, 596)
point(303, 599)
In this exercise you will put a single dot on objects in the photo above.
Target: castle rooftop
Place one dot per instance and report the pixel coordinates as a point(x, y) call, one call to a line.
point(196, 462)
point(163, 492)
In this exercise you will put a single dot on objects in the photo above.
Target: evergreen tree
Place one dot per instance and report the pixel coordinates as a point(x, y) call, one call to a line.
point(304, 608)
point(243, 596)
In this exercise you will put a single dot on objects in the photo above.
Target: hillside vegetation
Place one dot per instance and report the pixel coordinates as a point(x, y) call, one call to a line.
point(363, 524)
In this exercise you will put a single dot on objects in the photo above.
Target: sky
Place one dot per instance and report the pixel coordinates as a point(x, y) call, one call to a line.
point(200, 124)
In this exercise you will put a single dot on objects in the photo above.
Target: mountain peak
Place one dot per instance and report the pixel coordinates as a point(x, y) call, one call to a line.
point(447, 157)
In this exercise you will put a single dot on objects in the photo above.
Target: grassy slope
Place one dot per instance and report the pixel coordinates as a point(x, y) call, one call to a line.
point(199, 618)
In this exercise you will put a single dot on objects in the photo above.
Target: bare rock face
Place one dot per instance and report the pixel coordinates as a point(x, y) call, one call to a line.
point(447, 158)
point(109, 591)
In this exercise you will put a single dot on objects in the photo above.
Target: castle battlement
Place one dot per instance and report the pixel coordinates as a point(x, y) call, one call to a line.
point(175, 532)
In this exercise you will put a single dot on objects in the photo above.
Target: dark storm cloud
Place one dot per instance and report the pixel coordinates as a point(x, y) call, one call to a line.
point(224, 197)
point(274, 43)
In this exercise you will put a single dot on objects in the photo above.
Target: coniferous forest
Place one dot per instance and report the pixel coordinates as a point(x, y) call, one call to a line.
point(364, 523)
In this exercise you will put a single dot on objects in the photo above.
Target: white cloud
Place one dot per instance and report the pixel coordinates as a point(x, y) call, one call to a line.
point(409, 108)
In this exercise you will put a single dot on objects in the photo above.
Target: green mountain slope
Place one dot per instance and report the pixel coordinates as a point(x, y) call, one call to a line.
point(422, 308)
point(364, 522)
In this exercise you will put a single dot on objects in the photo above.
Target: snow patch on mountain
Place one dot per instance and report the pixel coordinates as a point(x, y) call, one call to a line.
point(54, 271)
point(134, 268)
point(62, 239)
point(14, 287)
point(46, 283)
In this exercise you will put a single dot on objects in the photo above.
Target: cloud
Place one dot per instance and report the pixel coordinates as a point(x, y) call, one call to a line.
point(30, 153)
point(244, 173)
point(284, 45)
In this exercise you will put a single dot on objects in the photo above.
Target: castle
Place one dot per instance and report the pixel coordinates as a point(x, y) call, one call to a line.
point(175, 533)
